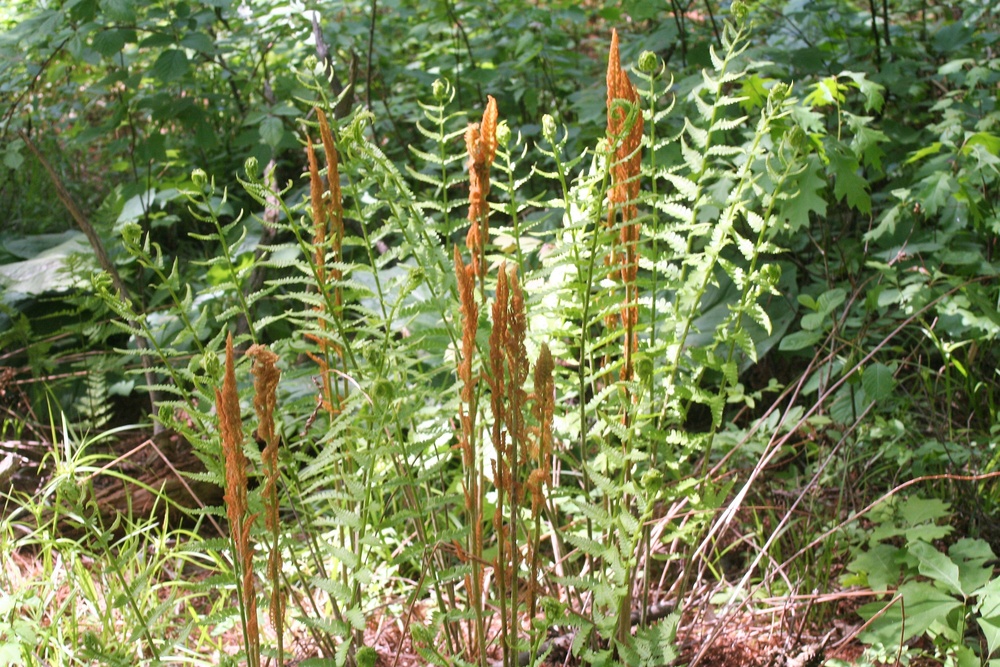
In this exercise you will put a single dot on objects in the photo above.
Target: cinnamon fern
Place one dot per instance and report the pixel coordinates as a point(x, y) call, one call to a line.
point(483, 460)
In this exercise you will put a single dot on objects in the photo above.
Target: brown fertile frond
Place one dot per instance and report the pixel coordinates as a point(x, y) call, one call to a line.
point(227, 406)
point(470, 321)
point(497, 382)
point(250, 594)
point(489, 130)
point(472, 470)
point(318, 211)
point(628, 159)
point(328, 218)
point(332, 160)
point(473, 238)
point(542, 409)
point(613, 75)
point(265, 385)
point(517, 359)
point(335, 205)
point(625, 191)
point(266, 375)
point(474, 147)
point(544, 401)
point(481, 144)
point(517, 398)
point(518, 329)
point(498, 335)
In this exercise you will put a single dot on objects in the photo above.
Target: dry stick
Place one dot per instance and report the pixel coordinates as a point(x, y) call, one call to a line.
point(106, 265)
point(875, 35)
point(150, 442)
point(681, 31)
point(12, 109)
point(715, 27)
point(885, 25)
point(343, 105)
point(450, 9)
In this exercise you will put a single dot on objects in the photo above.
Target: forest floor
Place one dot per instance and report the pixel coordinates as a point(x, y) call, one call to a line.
point(778, 632)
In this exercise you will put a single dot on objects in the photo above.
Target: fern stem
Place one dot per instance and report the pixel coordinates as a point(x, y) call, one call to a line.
point(233, 273)
point(731, 38)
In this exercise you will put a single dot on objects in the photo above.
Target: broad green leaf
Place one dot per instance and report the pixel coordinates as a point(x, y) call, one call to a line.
point(157, 39)
point(44, 270)
point(916, 510)
point(988, 608)
point(170, 66)
point(799, 340)
point(927, 532)
point(879, 565)
point(825, 305)
point(813, 321)
point(878, 382)
point(866, 146)
point(198, 41)
point(954, 66)
point(921, 605)
point(990, 142)
point(12, 157)
point(952, 37)
point(871, 91)
point(991, 631)
point(826, 92)
point(829, 300)
point(10, 653)
point(121, 11)
point(806, 196)
point(848, 404)
point(966, 657)
point(271, 131)
point(753, 90)
point(918, 155)
point(972, 550)
point(887, 225)
point(937, 566)
point(110, 42)
point(135, 208)
point(971, 556)
point(847, 183)
point(807, 301)
point(937, 191)
point(640, 10)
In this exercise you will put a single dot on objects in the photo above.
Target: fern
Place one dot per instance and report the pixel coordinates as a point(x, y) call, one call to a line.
point(652, 304)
